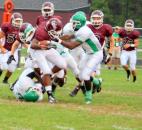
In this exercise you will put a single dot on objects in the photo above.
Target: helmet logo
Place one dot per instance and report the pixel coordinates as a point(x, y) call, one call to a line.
point(54, 24)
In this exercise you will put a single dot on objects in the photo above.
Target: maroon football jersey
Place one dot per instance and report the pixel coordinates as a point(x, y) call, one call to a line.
point(41, 19)
point(128, 38)
point(104, 31)
point(10, 35)
point(41, 33)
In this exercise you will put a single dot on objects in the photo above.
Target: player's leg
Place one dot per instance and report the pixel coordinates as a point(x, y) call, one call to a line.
point(55, 58)
point(124, 59)
point(133, 59)
point(58, 80)
point(93, 60)
point(11, 67)
point(80, 84)
point(40, 57)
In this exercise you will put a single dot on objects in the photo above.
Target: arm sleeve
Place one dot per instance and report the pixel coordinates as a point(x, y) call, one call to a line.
point(82, 35)
point(4, 28)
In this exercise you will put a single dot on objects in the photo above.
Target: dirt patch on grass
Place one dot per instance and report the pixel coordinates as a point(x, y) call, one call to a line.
point(116, 110)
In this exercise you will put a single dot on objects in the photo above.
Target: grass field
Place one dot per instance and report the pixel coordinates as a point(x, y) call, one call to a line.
point(117, 107)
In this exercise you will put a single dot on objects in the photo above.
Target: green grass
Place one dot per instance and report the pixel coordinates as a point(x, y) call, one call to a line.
point(140, 45)
point(117, 107)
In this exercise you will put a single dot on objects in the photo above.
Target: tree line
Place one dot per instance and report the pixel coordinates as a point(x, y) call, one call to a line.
point(117, 11)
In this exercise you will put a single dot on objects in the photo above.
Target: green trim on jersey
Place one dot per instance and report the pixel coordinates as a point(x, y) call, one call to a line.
point(92, 45)
point(78, 40)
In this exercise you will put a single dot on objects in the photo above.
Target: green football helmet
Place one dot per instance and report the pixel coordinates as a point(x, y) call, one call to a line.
point(26, 32)
point(78, 20)
point(33, 95)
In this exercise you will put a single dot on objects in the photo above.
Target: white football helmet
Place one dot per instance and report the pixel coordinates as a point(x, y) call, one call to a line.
point(97, 18)
point(16, 20)
point(129, 25)
point(47, 9)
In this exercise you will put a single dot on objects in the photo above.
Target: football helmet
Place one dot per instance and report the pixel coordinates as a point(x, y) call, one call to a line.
point(54, 27)
point(47, 9)
point(26, 32)
point(97, 17)
point(16, 20)
point(78, 20)
point(33, 94)
point(129, 25)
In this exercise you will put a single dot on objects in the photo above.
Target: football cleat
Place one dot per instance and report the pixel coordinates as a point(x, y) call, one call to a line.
point(88, 97)
point(51, 99)
point(75, 91)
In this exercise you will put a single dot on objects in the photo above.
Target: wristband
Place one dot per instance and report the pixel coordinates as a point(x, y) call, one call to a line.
point(132, 45)
point(110, 54)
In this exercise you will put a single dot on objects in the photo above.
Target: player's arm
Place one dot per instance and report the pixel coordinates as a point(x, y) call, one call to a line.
point(40, 45)
point(14, 47)
point(111, 44)
point(2, 35)
point(71, 44)
point(67, 37)
point(136, 42)
point(26, 45)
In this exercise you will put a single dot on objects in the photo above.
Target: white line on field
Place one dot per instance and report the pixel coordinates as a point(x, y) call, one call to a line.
point(117, 127)
point(64, 128)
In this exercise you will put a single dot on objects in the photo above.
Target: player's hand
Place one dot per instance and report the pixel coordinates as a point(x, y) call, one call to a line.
point(56, 39)
point(44, 44)
point(126, 46)
point(10, 59)
point(3, 50)
point(108, 58)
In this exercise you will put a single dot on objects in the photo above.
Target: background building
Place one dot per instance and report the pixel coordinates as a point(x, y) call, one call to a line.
point(31, 8)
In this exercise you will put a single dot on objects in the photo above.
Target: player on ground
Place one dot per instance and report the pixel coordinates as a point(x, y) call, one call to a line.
point(10, 32)
point(43, 52)
point(25, 88)
point(130, 42)
point(93, 54)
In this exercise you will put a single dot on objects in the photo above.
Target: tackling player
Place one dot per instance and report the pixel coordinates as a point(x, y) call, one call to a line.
point(93, 54)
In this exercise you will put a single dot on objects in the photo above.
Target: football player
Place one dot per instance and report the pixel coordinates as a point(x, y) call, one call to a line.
point(10, 32)
point(25, 88)
point(43, 52)
point(130, 41)
point(25, 35)
point(47, 11)
point(101, 31)
point(93, 54)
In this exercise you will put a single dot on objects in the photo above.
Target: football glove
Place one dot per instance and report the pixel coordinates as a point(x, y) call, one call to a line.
point(10, 59)
point(108, 58)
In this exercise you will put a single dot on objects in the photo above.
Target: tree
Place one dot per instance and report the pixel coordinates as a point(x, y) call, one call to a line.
point(117, 11)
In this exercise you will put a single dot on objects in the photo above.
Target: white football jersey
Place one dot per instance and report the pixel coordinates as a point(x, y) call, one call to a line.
point(68, 29)
point(23, 83)
point(89, 41)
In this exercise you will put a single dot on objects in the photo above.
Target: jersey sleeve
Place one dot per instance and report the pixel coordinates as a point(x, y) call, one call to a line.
point(82, 34)
point(4, 28)
point(109, 30)
point(68, 30)
point(136, 34)
point(121, 33)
